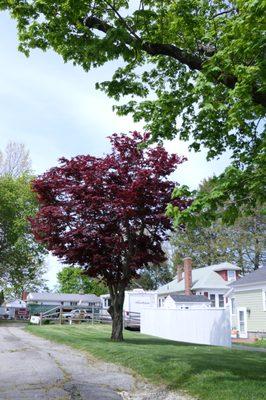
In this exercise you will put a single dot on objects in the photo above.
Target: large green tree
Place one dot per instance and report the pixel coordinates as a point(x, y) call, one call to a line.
point(21, 257)
point(189, 67)
point(73, 280)
point(154, 276)
point(242, 243)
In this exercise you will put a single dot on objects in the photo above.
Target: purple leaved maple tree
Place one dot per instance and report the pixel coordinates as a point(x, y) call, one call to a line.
point(107, 214)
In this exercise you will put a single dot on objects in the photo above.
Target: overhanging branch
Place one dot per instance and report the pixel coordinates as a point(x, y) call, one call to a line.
point(153, 49)
point(192, 61)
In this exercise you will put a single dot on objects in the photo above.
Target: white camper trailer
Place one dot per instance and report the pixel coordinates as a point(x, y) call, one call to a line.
point(135, 301)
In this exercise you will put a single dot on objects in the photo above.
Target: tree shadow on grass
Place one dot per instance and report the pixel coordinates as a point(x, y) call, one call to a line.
point(240, 366)
point(159, 342)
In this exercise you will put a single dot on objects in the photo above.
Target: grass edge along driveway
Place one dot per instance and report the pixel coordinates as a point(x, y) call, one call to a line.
point(205, 372)
point(260, 343)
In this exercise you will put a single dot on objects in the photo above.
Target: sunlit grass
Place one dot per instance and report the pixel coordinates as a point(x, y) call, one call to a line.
point(206, 372)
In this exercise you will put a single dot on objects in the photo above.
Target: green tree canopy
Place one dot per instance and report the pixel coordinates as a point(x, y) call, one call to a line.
point(188, 67)
point(21, 257)
point(73, 280)
point(236, 193)
point(154, 276)
point(215, 234)
point(242, 242)
point(203, 60)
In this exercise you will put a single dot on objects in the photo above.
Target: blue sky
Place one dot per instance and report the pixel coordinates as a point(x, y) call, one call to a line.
point(54, 109)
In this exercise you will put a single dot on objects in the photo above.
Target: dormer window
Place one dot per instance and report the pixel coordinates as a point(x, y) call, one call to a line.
point(231, 275)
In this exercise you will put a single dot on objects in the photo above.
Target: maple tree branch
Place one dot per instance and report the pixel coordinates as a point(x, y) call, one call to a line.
point(153, 49)
point(224, 12)
point(128, 27)
point(193, 61)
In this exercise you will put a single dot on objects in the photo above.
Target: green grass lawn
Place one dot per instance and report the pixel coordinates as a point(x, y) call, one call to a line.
point(208, 373)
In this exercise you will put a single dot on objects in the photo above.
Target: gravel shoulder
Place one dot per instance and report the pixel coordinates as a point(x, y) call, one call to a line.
point(248, 348)
point(35, 368)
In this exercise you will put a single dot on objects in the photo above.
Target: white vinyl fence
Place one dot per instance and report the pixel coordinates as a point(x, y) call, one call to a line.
point(203, 326)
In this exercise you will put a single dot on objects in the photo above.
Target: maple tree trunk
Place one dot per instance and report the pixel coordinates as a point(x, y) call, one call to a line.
point(117, 294)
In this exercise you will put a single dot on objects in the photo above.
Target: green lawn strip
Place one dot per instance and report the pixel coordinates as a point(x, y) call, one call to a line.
point(206, 372)
point(258, 343)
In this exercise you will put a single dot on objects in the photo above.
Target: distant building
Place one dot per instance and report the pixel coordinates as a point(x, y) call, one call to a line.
point(212, 282)
point(15, 309)
point(41, 302)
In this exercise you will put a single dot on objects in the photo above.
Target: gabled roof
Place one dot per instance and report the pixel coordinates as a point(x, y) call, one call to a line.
point(189, 299)
point(255, 277)
point(202, 278)
point(211, 280)
point(17, 303)
point(63, 297)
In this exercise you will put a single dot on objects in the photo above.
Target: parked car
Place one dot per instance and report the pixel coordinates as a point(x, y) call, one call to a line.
point(67, 314)
point(78, 313)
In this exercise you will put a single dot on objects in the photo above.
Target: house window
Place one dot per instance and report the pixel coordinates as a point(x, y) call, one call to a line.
point(161, 302)
point(73, 303)
point(212, 298)
point(107, 303)
point(231, 275)
point(221, 300)
point(233, 305)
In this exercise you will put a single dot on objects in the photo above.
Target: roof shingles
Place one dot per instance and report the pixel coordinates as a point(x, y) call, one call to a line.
point(62, 297)
point(202, 278)
point(254, 277)
point(189, 299)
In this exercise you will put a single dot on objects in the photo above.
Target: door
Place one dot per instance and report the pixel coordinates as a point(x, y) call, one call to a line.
point(242, 322)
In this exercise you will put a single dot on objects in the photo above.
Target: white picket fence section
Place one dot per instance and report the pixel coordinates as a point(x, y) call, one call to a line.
point(202, 326)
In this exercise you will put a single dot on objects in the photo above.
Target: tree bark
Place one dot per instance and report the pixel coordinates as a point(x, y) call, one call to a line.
point(117, 293)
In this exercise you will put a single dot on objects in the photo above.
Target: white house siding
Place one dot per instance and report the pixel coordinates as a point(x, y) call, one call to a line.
point(253, 300)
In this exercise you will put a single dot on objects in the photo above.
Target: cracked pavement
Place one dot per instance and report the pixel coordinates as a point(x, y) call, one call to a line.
point(34, 368)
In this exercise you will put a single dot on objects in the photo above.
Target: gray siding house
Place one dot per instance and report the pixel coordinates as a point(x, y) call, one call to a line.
point(42, 302)
point(248, 304)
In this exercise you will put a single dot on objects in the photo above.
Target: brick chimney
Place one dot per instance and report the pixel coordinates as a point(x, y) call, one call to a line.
point(188, 275)
point(179, 272)
point(24, 295)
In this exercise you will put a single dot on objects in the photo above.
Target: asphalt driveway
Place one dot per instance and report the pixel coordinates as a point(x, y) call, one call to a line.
point(34, 368)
